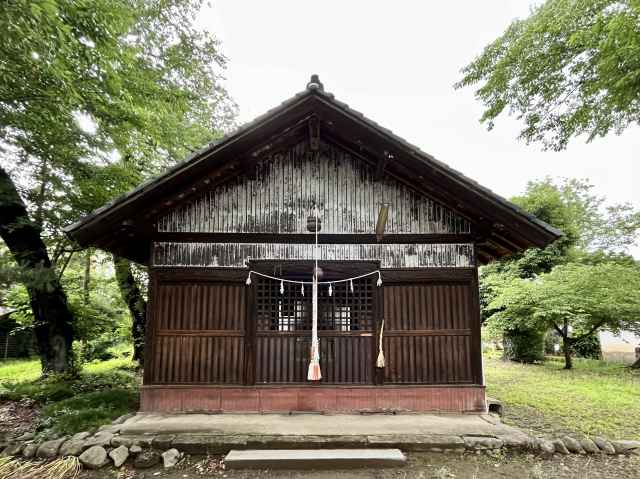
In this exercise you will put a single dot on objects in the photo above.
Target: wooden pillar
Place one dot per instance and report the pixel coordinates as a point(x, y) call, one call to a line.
point(150, 328)
point(250, 337)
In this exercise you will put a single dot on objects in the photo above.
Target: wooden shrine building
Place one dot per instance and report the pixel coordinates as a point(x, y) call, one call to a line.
point(249, 202)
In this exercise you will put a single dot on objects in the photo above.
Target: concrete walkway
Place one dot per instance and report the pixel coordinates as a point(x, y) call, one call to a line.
point(315, 424)
point(200, 433)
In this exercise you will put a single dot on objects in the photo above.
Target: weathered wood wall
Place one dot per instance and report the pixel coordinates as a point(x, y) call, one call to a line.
point(279, 195)
point(209, 328)
point(237, 255)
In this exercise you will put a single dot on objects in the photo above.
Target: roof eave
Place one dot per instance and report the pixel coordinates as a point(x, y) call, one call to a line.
point(81, 231)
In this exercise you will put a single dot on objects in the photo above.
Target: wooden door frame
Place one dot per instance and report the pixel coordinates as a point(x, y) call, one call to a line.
point(346, 268)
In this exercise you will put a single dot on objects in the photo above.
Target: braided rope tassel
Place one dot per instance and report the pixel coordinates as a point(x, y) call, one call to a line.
point(380, 362)
point(314, 373)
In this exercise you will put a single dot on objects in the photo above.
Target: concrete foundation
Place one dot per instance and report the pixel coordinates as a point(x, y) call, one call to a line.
point(220, 433)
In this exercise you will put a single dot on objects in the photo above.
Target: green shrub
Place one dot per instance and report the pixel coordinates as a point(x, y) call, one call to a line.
point(524, 345)
point(551, 339)
point(87, 411)
point(588, 347)
point(72, 403)
point(53, 388)
point(98, 349)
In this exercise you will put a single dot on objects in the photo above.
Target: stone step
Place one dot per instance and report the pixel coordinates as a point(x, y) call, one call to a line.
point(314, 458)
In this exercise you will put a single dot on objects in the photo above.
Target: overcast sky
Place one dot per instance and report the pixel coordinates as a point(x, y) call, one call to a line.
point(396, 62)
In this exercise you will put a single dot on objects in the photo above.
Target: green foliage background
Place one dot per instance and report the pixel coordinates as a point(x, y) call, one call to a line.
point(97, 96)
point(571, 68)
point(585, 280)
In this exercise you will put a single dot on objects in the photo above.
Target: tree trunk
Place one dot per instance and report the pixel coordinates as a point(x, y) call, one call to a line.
point(52, 318)
point(567, 346)
point(41, 193)
point(132, 296)
point(636, 365)
point(86, 281)
point(568, 362)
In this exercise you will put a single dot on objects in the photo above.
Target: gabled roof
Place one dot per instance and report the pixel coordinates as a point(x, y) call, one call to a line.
point(124, 226)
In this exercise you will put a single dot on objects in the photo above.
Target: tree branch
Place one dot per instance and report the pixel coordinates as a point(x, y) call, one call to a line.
point(590, 332)
point(559, 330)
point(64, 266)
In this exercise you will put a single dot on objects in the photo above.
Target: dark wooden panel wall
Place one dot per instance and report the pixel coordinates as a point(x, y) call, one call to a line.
point(431, 332)
point(204, 332)
point(198, 333)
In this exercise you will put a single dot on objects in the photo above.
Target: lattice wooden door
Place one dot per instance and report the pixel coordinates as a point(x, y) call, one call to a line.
point(346, 323)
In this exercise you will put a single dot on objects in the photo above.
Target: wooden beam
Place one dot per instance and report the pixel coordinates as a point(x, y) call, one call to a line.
point(309, 238)
point(411, 275)
point(197, 167)
point(401, 174)
point(219, 176)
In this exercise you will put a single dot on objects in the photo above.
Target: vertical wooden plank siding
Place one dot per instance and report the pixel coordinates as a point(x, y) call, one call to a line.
point(279, 194)
point(236, 255)
point(428, 337)
point(149, 337)
point(198, 333)
point(284, 358)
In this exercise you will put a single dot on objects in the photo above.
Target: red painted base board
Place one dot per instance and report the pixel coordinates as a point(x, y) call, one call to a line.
point(344, 399)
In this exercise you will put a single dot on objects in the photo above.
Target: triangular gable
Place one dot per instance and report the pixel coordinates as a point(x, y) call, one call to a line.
point(126, 225)
point(279, 192)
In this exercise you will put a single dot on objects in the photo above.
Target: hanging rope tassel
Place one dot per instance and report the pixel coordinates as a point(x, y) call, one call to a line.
point(380, 363)
point(379, 282)
point(248, 281)
point(330, 290)
point(281, 287)
point(314, 373)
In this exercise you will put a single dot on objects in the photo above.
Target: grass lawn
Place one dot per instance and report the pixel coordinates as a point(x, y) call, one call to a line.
point(19, 370)
point(104, 391)
point(595, 398)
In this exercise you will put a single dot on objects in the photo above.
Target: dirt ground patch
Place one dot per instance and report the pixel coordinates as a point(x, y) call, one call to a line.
point(17, 416)
point(420, 466)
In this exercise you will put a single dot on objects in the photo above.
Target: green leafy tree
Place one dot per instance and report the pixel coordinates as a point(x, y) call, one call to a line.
point(574, 300)
point(571, 68)
point(100, 318)
point(594, 233)
point(95, 95)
